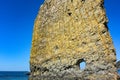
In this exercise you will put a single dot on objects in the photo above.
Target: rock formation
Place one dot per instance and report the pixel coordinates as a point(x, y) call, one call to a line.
point(68, 32)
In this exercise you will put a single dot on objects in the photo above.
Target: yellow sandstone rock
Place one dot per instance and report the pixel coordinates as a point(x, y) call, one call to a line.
point(68, 32)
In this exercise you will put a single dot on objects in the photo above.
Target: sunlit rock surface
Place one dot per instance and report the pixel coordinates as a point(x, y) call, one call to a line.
point(67, 33)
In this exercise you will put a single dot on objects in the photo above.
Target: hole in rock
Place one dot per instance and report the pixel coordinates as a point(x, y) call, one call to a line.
point(71, 0)
point(35, 67)
point(38, 69)
point(83, 0)
point(56, 47)
point(84, 43)
point(82, 64)
point(68, 9)
point(69, 13)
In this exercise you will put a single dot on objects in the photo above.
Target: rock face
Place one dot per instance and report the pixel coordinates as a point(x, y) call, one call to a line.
point(67, 33)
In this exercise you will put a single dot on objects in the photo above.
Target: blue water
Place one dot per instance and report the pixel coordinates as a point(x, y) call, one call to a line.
point(19, 75)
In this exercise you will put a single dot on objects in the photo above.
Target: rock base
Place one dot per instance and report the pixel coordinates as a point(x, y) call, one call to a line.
point(88, 77)
point(84, 75)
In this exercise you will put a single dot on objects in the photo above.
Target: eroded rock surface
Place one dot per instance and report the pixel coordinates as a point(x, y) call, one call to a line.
point(68, 32)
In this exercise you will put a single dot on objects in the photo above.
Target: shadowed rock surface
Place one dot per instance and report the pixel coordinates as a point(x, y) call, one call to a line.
point(68, 32)
point(118, 65)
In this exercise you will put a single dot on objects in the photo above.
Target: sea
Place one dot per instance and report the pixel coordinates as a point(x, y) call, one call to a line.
point(17, 75)
point(13, 75)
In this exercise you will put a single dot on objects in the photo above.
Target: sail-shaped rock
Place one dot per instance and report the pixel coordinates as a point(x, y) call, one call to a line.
point(67, 33)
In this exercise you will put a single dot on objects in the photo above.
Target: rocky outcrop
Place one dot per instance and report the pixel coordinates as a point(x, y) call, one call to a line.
point(68, 32)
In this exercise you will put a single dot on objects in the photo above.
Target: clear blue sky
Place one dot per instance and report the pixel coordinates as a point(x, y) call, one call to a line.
point(16, 26)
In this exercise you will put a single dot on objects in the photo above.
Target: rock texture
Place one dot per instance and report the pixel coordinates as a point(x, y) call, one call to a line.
point(68, 32)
